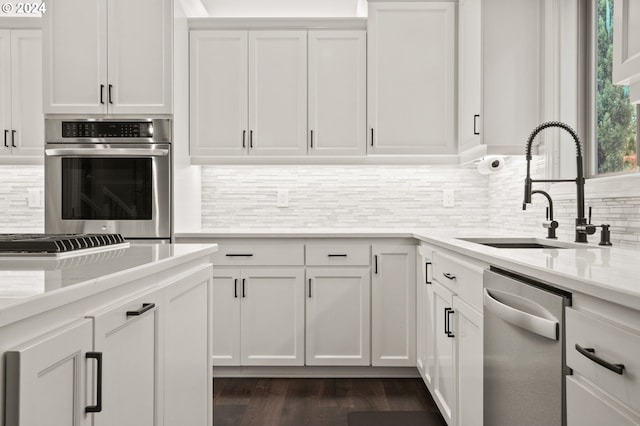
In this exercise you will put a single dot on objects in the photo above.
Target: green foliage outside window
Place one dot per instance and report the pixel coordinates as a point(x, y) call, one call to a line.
point(616, 117)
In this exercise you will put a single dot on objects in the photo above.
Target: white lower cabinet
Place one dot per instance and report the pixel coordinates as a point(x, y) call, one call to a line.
point(258, 316)
point(46, 380)
point(444, 376)
point(338, 312)
point(586, 406)
point(425, 345)
point(393, 307)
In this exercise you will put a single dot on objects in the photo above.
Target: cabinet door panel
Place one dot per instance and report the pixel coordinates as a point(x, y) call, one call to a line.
point(626, 42)
point(140, 56)
point(46, 379)
point(75, 55)
point(411, 78)
point(338, 304)
point(337, 92)
point(588, 407)
point(393, 306)
point(26, 99)
point(226, 316)
point(469, 73)
point(272, 317)
point(5, 88)
point(278, 92)
point(443, 384)
point(218, 93)
point(425, 346)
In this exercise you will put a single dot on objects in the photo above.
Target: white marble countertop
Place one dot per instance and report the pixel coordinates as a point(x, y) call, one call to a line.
point(609, 273)
point(30, 284)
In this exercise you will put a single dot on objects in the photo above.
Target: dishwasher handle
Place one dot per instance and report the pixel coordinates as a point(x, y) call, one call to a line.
point(541, 326)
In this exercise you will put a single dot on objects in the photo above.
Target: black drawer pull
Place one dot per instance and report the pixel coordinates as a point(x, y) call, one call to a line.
point(375, 263)
point(145, 307)
point(591, 354)
point(449, 276)
point(337, 255)
point(98, 407)
point(243, 293)
point(447, 322)
point(239, 255)
point(309, 288)
point(475, 124)
point(426, 273)
point(6, 132)
point(235, 288)
point(13, 138)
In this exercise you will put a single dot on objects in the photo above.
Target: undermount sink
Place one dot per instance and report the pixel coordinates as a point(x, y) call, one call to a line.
point(524, 243)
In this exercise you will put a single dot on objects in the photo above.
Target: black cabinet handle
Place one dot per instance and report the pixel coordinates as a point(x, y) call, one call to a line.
point(98, 407)
point(244, 134)
point(447, 323)
point(449, 276)
point(239, 255)
point(312, 139)
point(372, 136)
point(591, 354)
point(6, 132)
point(337, 255)
point(145, 307)
point(235, 288)
point(309, 288)
point(243, 293)
point(426, 273)
point(250, 138)
point(110, 87)
point(475, 122)
point(13, 138)
point(102, 94)
point(375, 263)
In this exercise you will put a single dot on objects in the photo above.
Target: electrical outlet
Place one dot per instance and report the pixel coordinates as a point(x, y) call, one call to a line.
point(34, 198)
point(282, 198)
point(448, 198)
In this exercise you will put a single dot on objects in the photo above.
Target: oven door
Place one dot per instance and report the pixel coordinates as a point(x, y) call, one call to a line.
point(108, 188)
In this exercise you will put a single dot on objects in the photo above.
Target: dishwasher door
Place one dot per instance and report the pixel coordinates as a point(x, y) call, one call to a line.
point(524, 362)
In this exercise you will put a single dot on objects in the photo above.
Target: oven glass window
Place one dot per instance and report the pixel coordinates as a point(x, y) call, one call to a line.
point(107, 188)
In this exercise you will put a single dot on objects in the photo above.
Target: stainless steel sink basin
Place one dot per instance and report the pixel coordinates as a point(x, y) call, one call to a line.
point(525, 243)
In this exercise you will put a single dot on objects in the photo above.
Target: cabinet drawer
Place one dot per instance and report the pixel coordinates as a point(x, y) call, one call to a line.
point(268, 255)
point(585, 407)
point(339, 255)
point(611, 344)
point(462, 276)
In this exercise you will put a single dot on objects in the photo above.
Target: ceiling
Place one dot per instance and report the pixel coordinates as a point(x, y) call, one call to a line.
point(286, 8)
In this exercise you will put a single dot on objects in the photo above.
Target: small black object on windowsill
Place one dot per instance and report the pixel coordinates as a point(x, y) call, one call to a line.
point(605, 235)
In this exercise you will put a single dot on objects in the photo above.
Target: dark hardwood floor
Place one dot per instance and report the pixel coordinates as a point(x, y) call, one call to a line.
point(311, 402)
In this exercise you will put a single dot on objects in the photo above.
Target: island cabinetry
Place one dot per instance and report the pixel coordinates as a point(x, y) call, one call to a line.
point(258, 313)
point(393, 307)
point(338, 304)
point(425, 308)
point(602, 354)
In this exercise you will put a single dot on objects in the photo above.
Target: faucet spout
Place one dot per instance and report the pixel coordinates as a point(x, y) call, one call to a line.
point(581, 221)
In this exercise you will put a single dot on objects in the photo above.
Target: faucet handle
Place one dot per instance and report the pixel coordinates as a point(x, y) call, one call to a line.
point(589, 216)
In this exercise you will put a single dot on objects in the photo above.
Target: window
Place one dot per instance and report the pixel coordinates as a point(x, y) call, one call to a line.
point(615, 120)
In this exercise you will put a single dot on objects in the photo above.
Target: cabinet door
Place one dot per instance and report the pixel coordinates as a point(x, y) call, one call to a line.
point(140, 37)
point(227, 291)
point(337, 327)
point(469, 73)
point(443, 383)
point(26, 75)
point(128, 336)
point(75, 55)
point(393, 316)
point(187, 362)
point(337, 92)
point(626, 42)
point(411, 93)
point(272, 316)
point(587, 406)
point(277, 92)
point(5, 91)
point(425, 348)
point(218, 93)
point(469, 367)
point(46, 379)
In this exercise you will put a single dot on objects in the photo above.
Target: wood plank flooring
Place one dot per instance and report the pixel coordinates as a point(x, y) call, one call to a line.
point(311, 402)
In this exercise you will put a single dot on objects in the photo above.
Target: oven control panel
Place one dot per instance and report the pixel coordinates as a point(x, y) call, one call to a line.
point(107, 129)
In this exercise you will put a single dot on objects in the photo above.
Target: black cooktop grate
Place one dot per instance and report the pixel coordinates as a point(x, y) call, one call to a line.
point(45, 243)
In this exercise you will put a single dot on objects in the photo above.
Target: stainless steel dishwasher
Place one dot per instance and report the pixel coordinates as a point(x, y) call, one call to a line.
point(524, 355)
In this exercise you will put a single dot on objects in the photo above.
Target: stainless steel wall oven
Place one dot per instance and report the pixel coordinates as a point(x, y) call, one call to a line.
point(108, 175)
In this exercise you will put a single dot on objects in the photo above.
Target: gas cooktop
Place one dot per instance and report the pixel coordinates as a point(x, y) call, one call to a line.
point(51, 245)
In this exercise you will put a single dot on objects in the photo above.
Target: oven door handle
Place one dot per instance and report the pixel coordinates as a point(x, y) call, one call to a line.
point(535, 324)
point(107, 152)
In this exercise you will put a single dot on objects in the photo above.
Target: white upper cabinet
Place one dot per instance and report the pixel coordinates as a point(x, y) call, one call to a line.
point(411, 86)
point(626, 46)
point(277, 92)
point(469, 73)
point(21, 118)
point(337, 92)
point(219, 93)
point(108, 56)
